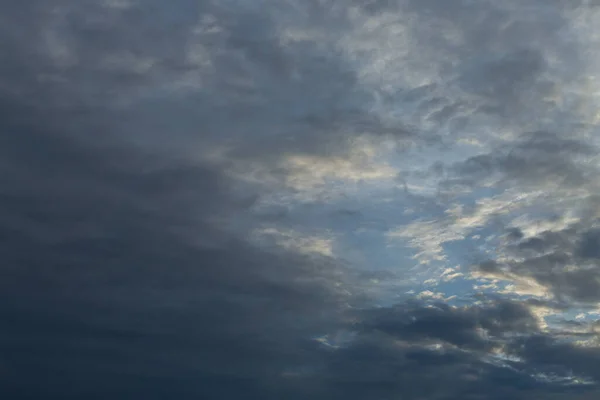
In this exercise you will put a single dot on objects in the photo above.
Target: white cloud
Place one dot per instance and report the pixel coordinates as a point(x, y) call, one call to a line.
point(307, 173)
point(429, 295)
point(296, 241)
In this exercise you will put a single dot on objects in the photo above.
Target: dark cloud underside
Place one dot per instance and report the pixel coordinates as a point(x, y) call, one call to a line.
point(200, 199)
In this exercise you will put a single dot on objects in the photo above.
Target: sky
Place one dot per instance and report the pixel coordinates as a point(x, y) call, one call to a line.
point(300, 199)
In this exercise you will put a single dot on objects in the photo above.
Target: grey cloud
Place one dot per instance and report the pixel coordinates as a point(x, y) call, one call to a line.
point(393, 353)
point(143, 312)
point(509, 82)
point(589, 246)
point(121, 273)
point(544, 351)
point(102, 296)
point(534, 159)
point(546, 242)
point(563, 261)
point(118, 279)
point(515, 234)
point(458, 327)
point(508, 76)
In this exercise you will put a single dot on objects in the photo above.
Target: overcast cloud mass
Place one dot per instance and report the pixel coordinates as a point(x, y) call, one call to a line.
point(300, 199)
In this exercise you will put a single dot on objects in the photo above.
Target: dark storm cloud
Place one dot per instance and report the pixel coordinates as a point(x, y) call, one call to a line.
point(443, 352)
point(186, 78)
point(118, 278)
point(456, 326)
point(543, 351)
point(104, 296)
point(114, 273)
point(121, 276)
point(563, 261)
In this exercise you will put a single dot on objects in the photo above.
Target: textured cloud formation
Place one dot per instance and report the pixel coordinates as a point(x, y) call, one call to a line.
point(300, 199)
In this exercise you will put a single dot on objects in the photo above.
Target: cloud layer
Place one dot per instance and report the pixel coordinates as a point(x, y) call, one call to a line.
point(299, 199)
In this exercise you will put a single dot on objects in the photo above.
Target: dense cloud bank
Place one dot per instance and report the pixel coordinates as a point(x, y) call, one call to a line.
point(299, 199)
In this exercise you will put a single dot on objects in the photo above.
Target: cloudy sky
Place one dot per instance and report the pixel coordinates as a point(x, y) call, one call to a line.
point(300, 199)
